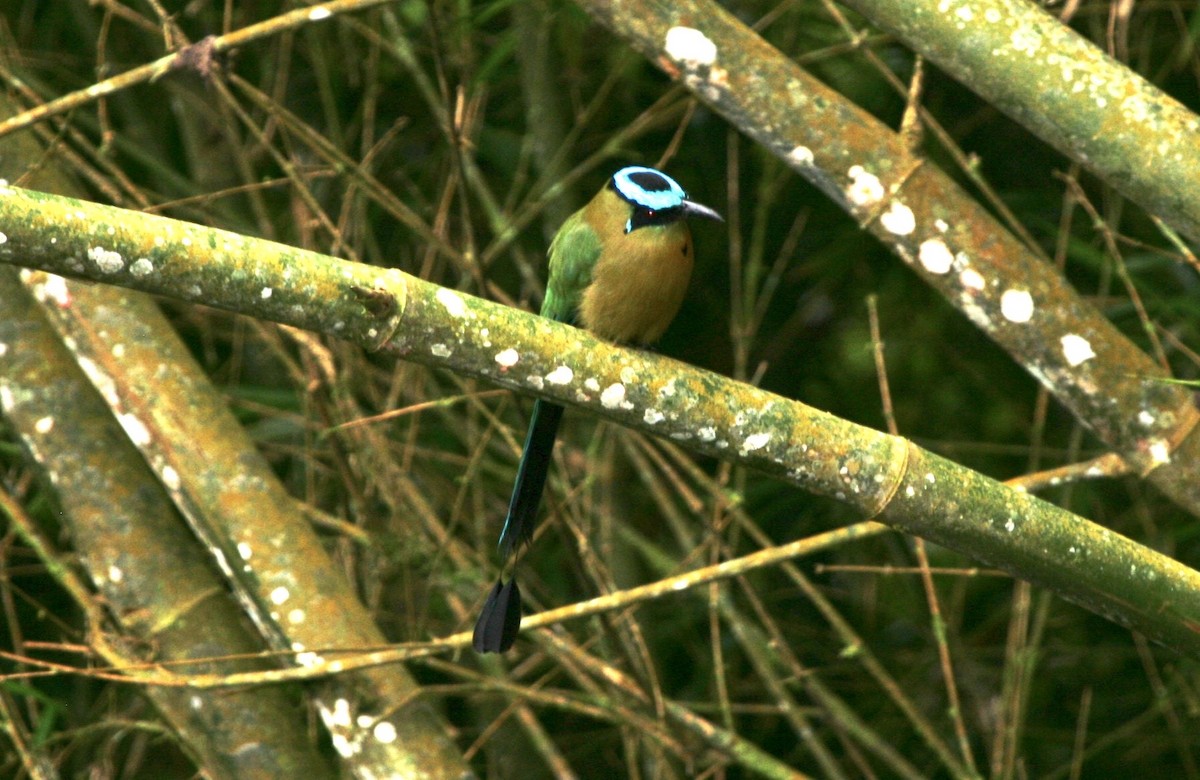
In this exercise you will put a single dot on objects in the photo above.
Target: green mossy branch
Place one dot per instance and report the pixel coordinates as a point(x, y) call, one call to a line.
point(154, 452)
point(877, 474)
point(927, 220)
point(154, 587)
point(1065, 89)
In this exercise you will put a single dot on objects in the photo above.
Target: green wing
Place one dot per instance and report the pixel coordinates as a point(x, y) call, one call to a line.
point(573, 255)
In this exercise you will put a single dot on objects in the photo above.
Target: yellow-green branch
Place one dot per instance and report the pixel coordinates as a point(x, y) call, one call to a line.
point(879, 475)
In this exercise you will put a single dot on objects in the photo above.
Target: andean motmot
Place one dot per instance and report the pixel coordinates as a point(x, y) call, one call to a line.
point(619, 267)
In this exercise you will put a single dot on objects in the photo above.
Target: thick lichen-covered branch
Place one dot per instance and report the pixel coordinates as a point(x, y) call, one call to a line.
point(926, 219)
point(156, 445)
point(144, 564)
point(1064, 88)
point(875, 473)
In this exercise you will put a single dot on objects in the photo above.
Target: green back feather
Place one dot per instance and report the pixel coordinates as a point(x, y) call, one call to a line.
point(573, 255)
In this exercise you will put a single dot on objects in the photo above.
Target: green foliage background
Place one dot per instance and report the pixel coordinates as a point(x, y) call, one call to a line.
point(492, 121)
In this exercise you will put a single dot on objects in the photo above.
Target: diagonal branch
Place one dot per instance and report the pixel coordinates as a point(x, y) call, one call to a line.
point(877, 474)
point(1065, 89)
point(925, 218)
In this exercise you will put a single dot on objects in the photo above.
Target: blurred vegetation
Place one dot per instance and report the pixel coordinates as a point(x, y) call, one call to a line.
point(469, 113)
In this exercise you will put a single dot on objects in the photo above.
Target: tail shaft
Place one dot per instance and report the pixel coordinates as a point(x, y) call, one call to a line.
point(531, 476)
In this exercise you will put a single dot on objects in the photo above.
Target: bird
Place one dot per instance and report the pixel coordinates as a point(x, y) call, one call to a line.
point(619, 267)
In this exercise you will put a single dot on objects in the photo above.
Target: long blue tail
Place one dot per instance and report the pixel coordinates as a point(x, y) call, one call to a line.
point(531, 476)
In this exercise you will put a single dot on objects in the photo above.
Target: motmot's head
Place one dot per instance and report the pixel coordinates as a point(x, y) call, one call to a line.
point(654, 198)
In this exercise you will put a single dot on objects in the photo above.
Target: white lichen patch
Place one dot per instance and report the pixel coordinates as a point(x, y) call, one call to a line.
point(1076, 349)
point(591, 385)
point(319, 13)
point(1160, 452)
point(384, 732)
point(440, 350)
point(244, 551)
point(628, 375)
point(141, 267)
point(653, 416)
point(613, 396)
point(115, 574)
point(972, 279)
point(667, 390)
point(54, 289)
point(1136, 108)
point(279, 595)
point(935, 256)
point(170, 477)
point(265, 293)
point(899, 219)
point(339, 716)
point(296, 616)
point(44, 425)
point(507, 358)
point(560, 376)
point(707, 433)
point(1145, 418)
point(452, 302)
point(690, 47)
point(802, 156)
point(107, 261)
point(975, 313)
point(1016, 305)
point(1026, 40)
point(135, 429)
point(343, 745)
point(755, 441)
point(865, 187)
